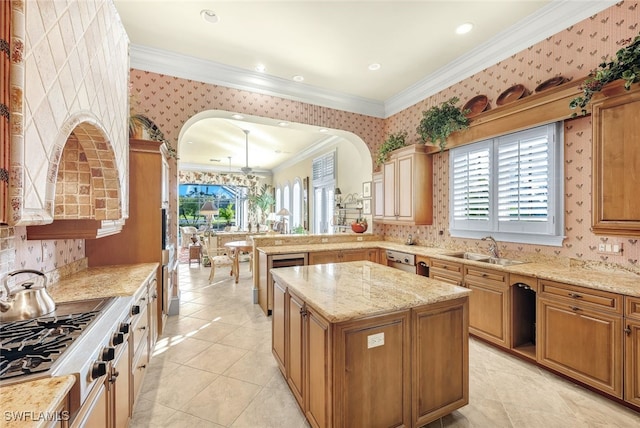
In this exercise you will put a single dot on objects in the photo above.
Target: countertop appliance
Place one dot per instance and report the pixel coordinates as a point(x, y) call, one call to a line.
point(78, 338)
point(402, 261)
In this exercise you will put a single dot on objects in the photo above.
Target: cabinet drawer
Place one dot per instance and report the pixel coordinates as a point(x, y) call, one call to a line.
point(485, 276)
point(447, 266)
point(445, 276)
point(139, 328)
point(632, 307)
point(138, 370)
point(582, 297)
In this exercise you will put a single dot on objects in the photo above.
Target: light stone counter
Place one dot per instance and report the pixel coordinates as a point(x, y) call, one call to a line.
point(102, 281)
point(345, 291)
point(32, 404)
point(585, 274)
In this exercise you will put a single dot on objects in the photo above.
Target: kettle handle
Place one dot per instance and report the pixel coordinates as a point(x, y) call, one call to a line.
point(16, 272)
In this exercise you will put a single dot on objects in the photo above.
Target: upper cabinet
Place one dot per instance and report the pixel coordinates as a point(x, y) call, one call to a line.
point(69, 135)
point(616, 161)
point(407, 184)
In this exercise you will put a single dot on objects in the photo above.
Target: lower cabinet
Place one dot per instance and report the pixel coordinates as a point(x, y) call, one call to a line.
point(95, 411)
point(489, 304)
point(322, 257)
point(581, 335)
point(119, 382)
point(632, 351)
point(445, 271)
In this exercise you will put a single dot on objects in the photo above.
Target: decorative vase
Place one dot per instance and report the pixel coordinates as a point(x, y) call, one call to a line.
point(359, 227)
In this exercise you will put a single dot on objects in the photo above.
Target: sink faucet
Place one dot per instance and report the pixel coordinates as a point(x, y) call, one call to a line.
point(493, 246)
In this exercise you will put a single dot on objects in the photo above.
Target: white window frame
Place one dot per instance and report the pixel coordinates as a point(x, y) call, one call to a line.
point(296, 203)
point(550, 232)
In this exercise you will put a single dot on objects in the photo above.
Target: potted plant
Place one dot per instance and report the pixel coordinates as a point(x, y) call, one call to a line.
point(625, 65)
point(441, 121)
point(359, 225)
point(393, 142)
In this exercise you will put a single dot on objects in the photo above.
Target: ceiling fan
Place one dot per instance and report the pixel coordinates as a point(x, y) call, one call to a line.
point(245, 169)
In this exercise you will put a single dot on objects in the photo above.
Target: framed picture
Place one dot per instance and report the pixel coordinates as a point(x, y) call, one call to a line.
point(366, 189)
point(366, 206)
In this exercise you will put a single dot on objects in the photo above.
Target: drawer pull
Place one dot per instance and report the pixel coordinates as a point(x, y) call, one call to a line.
point(142, 328)
point(142, 367)
point(484, 275)
point(574, 308)
point(575, 295)
point(627, 331)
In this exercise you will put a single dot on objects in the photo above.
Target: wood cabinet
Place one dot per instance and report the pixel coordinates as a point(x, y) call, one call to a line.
point(140, 240)
point(581, 334)
point(403, 368)
point(119, 382)
point(264, 279)
point(443, 359)
point(378, 196)
point(489, 304)
point(446, 271)
point(632, 351)
point(408, 186)
point(616, 161)
point(523, 324)
point(139, 340)
point(339, 256)
point(95, 411)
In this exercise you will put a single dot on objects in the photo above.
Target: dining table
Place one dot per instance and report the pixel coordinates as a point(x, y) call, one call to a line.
point(236, 248)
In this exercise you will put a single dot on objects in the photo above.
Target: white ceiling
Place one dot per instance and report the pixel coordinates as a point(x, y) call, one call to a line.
point(331, 44)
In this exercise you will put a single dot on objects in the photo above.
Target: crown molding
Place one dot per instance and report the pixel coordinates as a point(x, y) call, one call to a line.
point(187, 67)
point(549, 20)
point(557, 16)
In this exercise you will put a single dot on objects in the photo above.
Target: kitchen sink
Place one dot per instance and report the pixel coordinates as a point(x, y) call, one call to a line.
point(471, 256)
point(501, 261)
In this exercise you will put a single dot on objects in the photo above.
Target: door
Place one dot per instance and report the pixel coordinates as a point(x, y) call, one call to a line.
point(295, 347)
point(632, 361)
point(323, 208)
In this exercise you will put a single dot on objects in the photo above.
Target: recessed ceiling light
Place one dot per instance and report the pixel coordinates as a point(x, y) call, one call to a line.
point(209, 16)
point(375, 66)
point(260, 68)
point(324, 130)
point(237, 116)
point(298, 78)
point(283, 123)
point(464, 28)
point(214, 160)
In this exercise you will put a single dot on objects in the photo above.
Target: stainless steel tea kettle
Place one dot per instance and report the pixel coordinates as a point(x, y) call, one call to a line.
point(30, 302)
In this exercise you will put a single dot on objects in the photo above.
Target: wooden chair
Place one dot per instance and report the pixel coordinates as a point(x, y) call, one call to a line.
point(218, 257)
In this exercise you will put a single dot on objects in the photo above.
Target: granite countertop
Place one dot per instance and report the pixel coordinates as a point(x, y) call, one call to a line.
point(345, 291)
point(584, 274)
point(102, 281)
point(32, 404)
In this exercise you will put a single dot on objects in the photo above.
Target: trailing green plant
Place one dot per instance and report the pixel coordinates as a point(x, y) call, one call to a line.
point(394, 141)
point(625, 65)
point(441, 121)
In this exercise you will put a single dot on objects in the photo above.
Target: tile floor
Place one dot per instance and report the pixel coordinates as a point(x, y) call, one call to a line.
point(213, 367)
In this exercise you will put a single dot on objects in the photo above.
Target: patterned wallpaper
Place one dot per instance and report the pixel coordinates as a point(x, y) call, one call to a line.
point(169, 101)
point(571, 53)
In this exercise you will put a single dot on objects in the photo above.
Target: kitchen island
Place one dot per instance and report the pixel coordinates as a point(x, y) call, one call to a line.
point(361, 344)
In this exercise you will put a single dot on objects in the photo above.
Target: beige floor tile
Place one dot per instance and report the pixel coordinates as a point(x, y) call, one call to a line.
point(180, 386)
point(222, 401)
point(215, 331)
point(217, 358)
point(179, 348)
point(181, 419)
point(271, 408)
point(149, 413)
point(253, 367)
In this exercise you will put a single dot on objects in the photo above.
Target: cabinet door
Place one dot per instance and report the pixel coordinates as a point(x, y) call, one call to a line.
point(405, 188)
point(322, 257)
point(295, 350)
point(616, 162)
point(353, 255)
point(153, 313)
point(440, 362)
point(121, 378)
point(488, 310)
point(378, 196)
point(389, 188)
point(318, 371)
point(278, 329)
point(261, 280)
point(632, 363)
point(581, 343)
point(94, 413)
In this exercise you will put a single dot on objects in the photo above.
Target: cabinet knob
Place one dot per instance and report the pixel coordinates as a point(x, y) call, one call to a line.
point(627, 331)
point(574, 308)
point(575, 295)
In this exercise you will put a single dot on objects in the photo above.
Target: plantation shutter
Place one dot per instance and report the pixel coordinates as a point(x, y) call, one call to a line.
point(470, 185)
point(523, 179)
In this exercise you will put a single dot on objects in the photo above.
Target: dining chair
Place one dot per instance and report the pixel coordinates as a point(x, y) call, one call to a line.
point(218, 257)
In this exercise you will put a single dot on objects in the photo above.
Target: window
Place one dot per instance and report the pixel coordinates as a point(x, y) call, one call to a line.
point(296, 211)
point(324, 182)
point(510, 187)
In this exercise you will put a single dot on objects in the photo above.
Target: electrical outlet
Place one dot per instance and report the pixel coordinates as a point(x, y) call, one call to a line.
point(359, 238)
point(375, 340)
point(278, 242)
point(601, 248)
